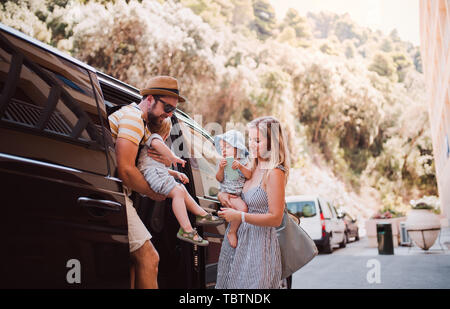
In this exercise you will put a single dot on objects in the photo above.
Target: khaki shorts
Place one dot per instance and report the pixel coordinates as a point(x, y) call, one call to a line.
point(137, 232)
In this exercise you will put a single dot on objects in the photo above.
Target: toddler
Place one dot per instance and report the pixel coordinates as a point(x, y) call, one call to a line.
point(162, 180)
point(231, 146)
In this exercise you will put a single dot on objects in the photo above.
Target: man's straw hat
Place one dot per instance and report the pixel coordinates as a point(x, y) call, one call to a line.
point(163, 85)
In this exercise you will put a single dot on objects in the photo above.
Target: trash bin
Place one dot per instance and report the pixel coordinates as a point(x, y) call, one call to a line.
point(384, 237)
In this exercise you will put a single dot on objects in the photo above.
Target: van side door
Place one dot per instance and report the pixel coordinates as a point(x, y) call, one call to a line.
point(203, 159)
point(338, 232)
point(64, 221)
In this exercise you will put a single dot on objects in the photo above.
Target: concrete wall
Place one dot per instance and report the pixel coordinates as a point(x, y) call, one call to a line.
point(435, 42)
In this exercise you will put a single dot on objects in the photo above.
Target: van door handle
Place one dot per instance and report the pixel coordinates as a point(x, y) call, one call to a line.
point(101, 204)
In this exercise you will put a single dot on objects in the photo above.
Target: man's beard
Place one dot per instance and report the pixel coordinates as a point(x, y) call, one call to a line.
point(152, 118)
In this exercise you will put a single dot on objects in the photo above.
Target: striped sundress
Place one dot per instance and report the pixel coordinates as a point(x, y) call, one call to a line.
point(256, 262)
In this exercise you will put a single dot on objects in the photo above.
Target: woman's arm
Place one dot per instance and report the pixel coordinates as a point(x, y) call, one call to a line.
point(275, 193)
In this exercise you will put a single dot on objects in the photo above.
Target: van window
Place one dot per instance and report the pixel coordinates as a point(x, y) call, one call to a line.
point(50, 97)
point(333, 210)
point(305, 209)
point(325, 209)
point(49, 94)
point(203, 158)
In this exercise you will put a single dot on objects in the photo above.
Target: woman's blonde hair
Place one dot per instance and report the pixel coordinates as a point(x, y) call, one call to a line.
point(163, 129)
point(277, 148)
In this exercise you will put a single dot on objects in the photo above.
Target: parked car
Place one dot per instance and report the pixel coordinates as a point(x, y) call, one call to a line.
point(319, 219)
point(351, 227)
point(62, 202)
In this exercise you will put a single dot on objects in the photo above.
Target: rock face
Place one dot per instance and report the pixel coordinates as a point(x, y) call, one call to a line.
point(423, 227)
point(319, 180)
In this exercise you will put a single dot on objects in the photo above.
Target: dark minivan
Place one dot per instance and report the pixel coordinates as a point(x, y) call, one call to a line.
point(63, 211)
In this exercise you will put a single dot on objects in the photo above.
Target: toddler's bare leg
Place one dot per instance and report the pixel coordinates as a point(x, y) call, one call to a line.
point(192, 205)
point(179, 208)
point(238, 204)
point(224, 199)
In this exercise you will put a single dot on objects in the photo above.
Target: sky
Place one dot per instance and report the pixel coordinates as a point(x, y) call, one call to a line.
point(384, 15)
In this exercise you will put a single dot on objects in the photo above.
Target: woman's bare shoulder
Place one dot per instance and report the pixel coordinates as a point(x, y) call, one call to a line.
point(275, 179)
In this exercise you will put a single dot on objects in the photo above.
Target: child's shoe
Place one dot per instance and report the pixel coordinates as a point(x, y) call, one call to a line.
point(192, 237)
point(208, 219)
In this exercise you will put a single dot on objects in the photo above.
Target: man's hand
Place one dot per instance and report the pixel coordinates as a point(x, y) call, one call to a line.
point(131, 177)
point(159, 158)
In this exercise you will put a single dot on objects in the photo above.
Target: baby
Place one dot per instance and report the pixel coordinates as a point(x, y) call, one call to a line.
point(231, 146)
point(162, 180)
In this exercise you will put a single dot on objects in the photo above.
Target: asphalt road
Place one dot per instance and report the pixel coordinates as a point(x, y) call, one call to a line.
point(360, 267)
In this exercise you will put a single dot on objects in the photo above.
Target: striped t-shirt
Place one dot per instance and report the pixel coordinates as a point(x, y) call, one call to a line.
point(128, 123)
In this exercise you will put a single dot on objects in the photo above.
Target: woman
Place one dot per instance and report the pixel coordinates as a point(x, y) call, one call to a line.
point(255, 263)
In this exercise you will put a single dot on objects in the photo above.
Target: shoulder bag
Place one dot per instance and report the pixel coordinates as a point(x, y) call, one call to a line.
point(297, 248)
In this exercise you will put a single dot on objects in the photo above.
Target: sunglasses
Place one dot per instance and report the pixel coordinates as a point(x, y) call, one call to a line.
point(168, 108)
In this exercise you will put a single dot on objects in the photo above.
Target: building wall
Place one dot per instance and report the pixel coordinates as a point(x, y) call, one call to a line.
point(435, 42)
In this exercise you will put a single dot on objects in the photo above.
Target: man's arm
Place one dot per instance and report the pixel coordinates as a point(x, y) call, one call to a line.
point(165, 151)
point(131, 177)
point(155, 155)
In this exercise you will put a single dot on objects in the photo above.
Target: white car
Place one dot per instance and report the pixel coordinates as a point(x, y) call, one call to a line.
point(319, 219)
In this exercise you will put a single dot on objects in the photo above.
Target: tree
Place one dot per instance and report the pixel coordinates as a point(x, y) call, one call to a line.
point(264, 22)
point(418, 61)
point(346, 29)
point(350, 50)
point(386, 45)
point(242, 13)
point(402, 62)
point(287, 35)
point(298, 23)
point(383, 65)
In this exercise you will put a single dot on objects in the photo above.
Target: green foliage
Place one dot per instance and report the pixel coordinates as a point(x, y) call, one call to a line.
point(264, 22)
point(298, 23)
point(383, 65)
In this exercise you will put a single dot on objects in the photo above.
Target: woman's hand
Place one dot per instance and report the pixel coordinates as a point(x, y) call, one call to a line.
point(229, 214)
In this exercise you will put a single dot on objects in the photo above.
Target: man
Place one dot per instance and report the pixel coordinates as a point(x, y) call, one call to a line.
point(129, 129)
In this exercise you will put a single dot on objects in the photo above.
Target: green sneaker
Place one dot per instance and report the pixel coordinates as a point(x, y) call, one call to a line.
point(208, 219)
point(192, 237)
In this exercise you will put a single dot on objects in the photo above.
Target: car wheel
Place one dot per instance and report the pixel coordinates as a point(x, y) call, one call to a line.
point(326, 247)
point(343, 244)
point(357, 236)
